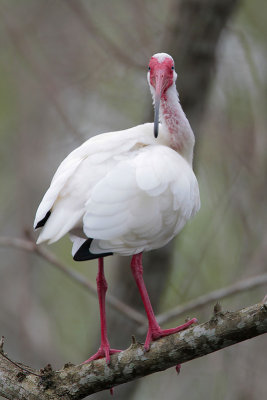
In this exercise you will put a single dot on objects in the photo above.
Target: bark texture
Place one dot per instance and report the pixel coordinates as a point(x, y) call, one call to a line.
point(76, 382)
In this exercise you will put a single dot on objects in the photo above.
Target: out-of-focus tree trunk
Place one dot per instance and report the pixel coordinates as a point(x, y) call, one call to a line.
point(191, 37)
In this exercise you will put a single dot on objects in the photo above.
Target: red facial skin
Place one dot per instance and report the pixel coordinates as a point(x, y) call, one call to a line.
point(161, 75)
point(161, 78)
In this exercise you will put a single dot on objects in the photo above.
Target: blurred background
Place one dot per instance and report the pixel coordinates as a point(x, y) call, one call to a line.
point(72, 69)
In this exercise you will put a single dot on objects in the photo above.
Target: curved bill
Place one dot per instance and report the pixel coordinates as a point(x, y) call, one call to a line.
point(158, 89)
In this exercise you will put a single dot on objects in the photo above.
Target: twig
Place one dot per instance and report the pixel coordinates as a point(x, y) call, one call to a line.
point(211, 229)
point(28, 245)
point(123, 308)
point(21, 367)
point(104, 41)
point(77, 382)
point(212, 297)
point(40, 74)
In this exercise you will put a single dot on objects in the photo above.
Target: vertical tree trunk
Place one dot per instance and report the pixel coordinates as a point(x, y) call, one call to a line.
point(192, 36)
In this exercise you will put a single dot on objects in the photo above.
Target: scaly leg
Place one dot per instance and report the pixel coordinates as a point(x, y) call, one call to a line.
point(154, 330)
point(104, 349)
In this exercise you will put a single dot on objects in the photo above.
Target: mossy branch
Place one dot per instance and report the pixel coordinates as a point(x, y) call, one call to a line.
point(75, 382)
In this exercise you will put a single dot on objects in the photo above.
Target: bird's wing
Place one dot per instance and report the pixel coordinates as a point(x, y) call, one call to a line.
point(63, 204)
point(141, 203)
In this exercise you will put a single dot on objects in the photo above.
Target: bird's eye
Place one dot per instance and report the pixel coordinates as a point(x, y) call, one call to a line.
point(149, 68)
point(172, 67)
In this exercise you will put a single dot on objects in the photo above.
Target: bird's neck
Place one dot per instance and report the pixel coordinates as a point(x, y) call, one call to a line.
point(172, 116)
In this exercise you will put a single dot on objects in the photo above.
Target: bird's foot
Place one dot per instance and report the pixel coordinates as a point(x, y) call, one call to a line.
point(157, 332)
point(104, 351)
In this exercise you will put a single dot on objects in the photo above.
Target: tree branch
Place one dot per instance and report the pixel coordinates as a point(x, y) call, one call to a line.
point(76, 382)
point(212, 297)
point(126, 310)
point(31, 246)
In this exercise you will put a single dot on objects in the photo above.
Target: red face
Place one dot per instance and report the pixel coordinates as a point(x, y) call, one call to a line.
point(161, 78)
point(161, 74)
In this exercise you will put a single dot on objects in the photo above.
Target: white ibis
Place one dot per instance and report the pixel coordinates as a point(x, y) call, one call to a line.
point(127, 192)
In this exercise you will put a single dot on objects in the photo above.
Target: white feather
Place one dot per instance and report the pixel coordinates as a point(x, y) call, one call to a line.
point(126, 190)
point(146, 201)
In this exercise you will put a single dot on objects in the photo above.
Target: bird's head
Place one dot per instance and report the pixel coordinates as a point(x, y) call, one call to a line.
point(161, 76)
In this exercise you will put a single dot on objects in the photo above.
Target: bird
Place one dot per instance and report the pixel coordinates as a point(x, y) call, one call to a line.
point(126, 193)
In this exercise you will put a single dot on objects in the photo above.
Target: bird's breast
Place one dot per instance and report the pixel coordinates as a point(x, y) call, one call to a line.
point(142, 203)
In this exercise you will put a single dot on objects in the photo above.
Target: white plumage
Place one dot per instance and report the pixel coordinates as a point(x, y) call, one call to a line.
point(127, 192)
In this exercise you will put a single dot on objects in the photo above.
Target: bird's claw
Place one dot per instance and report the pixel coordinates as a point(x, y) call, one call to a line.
point(103, 352)
point(159, 333)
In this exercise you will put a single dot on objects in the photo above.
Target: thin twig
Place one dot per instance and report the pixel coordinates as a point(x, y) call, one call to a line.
point(212, 297)
point(22, 368)
point(104, 40)
point(28, 245)
point(211, 229)
point(123, 308)
point(40, 74)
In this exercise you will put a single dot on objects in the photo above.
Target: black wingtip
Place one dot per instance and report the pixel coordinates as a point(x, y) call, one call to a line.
point(43, 221)
point(84, 254)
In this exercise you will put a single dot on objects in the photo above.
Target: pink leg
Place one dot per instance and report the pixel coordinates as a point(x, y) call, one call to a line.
point(154, 330)
point(104, 349)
